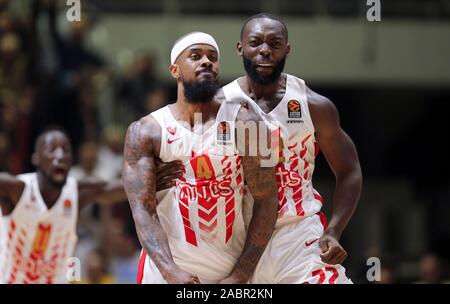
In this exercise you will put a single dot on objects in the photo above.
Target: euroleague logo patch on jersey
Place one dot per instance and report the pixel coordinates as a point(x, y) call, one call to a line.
point(67, 207)
point(223, 144)
point(223, 131)
point(294, 109)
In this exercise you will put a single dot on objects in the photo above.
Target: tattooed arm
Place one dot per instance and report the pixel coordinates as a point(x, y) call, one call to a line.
point(262, 184)
point(138, 175)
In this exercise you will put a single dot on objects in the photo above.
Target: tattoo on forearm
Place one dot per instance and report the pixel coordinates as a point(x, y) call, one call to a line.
point(262, 185)
point(138, 177)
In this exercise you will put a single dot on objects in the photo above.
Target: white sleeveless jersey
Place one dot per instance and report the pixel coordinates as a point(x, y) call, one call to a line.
point(39, 240)
point(297, 197)
point(202, 214)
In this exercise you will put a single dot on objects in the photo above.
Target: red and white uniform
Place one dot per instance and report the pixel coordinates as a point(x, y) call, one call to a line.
point(202, 214)
point(39, 240)
point(299, 219)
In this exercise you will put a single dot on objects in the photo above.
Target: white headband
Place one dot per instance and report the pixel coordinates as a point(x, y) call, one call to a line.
point(191, 39)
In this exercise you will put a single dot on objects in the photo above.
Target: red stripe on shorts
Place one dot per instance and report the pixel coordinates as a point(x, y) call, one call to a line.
point(140, 274)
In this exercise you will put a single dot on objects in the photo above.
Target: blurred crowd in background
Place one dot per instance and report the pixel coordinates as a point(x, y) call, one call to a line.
point(47, 78)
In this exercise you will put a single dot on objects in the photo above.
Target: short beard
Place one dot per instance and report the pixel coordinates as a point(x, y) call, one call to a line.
point(200, 91)
point(250, 68)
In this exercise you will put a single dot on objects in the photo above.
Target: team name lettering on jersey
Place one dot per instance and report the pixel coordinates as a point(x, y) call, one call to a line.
point(207, 190)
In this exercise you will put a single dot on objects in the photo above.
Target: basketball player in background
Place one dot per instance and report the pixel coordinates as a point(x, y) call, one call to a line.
point(40, 212)
point(302, 249)
point(194, 232)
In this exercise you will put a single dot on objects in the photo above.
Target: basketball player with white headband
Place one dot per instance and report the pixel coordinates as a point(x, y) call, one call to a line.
point(303, 248)
point(194, 231)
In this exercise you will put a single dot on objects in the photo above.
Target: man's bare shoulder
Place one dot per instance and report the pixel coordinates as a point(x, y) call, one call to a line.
point(146, 128)
point(5, 177)
point(316, 100)
point(147, 122)
point(11, 189)
point(323, 111)
point(319, 104)
point(10, 182)
point(143, 137)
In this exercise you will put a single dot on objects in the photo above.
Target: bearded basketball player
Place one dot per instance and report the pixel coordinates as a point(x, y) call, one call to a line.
point(303, 248)
point(194, 232)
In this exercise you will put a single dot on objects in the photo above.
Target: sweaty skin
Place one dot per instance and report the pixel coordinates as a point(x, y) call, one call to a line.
point(340, 153)
point(264, 43)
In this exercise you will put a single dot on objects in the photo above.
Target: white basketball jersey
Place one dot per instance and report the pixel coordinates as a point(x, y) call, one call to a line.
point(291, 120)
point(39, 240)
point(202, 214)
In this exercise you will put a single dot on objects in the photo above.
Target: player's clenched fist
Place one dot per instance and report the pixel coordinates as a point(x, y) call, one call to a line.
point(182, 277)
point(332, 252)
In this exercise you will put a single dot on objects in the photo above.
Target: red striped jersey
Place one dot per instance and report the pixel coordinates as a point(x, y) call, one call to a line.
point(202, 214)
point(292, 125)
point(39, 241)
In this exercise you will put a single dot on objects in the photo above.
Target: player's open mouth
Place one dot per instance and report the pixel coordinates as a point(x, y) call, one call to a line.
point(60, 171)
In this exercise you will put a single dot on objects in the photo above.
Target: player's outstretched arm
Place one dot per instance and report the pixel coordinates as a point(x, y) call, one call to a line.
point(99, 191)
point(340, 153)
point(102, 192)
point(261, 182)
point(138, 176)
point(11, 189)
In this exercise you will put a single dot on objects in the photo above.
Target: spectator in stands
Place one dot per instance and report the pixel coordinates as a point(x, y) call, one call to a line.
point(432, 270)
